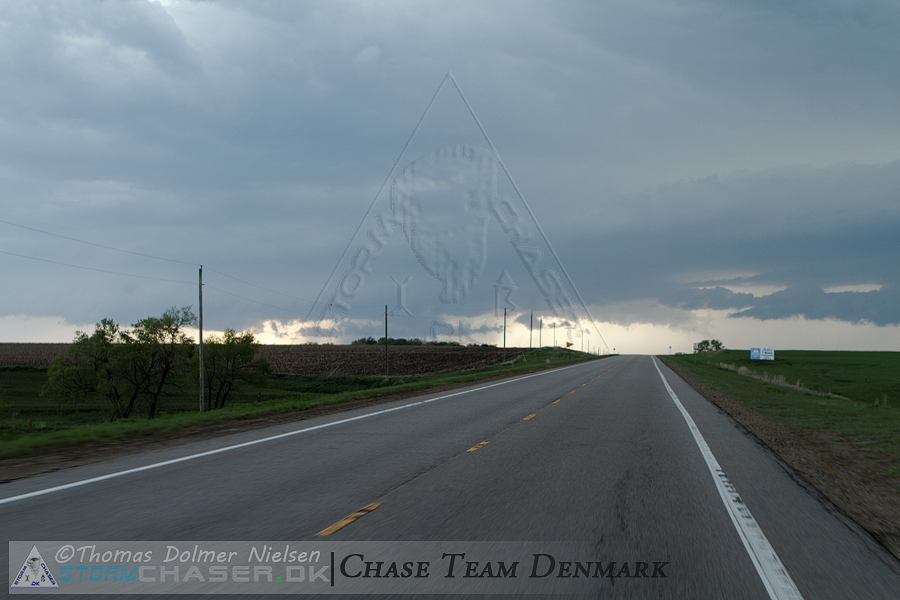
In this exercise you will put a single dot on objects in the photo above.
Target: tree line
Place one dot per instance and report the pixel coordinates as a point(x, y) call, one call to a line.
point(133, 370)
point(710, 346)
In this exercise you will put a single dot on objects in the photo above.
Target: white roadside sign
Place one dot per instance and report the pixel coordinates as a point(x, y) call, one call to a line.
point(762, 354)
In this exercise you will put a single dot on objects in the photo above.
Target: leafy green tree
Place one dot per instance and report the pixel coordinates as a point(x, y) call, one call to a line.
point(156, 349)
point(710, 346)
point(229, 363)
point(126, 368)
point(92, 368)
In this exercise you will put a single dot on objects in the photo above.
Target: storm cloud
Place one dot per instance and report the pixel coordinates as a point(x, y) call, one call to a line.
point(680, 156)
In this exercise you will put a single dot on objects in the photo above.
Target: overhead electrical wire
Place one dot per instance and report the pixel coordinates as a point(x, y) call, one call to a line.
point(56, 262)
point(97, 245)
point(206, 285)
point(104, 246)
point(258, 286)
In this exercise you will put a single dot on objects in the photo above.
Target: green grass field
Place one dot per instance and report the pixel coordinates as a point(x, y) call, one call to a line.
point(31, 423)
point(862, 376)
point(866, 418)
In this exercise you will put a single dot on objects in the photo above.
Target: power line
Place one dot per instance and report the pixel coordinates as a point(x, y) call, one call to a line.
point(95, 244)
point(55, 262)
point(104, 246)
point(206, 285)
point(258, 286)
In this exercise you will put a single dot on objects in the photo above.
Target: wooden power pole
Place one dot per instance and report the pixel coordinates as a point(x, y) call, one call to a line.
point(385, 342)
point(201, 338)
point(504, 335)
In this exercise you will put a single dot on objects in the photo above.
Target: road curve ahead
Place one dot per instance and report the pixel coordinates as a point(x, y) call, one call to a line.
point(618, 455)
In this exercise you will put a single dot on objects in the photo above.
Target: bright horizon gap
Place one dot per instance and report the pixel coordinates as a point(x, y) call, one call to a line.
point(637, 338)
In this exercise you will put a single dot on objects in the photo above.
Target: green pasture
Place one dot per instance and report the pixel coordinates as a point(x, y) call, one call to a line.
point(31, 423)
point(867, 416)
point(862, 376)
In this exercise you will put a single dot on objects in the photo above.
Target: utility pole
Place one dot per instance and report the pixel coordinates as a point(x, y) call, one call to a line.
point(385, 342)
point(504, 335)
point(541, 332)
point(554, 334)
point(530, 330)
point(201, 338)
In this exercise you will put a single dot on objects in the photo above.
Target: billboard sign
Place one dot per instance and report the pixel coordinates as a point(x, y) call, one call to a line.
point(762, 354)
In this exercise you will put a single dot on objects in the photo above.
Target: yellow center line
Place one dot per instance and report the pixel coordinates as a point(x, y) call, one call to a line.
point(557, 400)
point(478, 446)
point(349, 519)
point(528, 417)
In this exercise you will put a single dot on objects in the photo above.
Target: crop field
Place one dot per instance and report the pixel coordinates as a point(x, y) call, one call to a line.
point(29, 355)
point(369, 360)
point(321, 359)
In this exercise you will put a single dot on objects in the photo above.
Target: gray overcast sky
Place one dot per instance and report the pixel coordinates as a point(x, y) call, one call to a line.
point(702, 169)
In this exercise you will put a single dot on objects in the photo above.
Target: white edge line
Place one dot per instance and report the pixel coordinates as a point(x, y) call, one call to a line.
point(173, 461)
point(771, 571)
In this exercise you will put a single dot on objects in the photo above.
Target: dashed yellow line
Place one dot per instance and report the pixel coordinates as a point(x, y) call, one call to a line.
point(557, 400)
point(528, 417)
point(349, 519)
point(478, 446)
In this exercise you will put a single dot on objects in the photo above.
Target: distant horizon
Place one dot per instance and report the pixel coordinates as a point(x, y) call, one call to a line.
point(747, 349)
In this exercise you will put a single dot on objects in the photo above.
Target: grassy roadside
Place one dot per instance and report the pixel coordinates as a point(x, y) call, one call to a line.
point(31, 425)
point(839, 427)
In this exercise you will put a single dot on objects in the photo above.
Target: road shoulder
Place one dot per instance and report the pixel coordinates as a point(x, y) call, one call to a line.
point(827, 464)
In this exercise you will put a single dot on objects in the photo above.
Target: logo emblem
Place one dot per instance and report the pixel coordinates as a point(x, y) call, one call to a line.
point(34, 573)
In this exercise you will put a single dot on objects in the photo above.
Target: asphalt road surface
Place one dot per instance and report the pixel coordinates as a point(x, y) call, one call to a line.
point(599, 455)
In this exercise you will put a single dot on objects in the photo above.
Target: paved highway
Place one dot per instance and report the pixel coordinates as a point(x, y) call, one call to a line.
point(599, 453)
